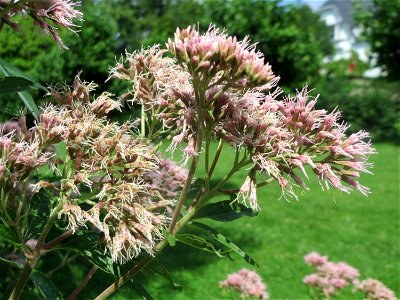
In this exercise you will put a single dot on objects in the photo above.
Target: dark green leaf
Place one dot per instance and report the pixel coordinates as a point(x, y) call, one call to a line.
point(104, 263)
point(139, 289)
point(79, 243)
point(170, 238)
point(10, 70)
point(7, 234)
point(224, 241)
point(200, 243)
point(156, 267)
point(224, 211)
point(97, 257)
point(13, 84)
point(39, 209)
point(24, 95)
point(45, 286)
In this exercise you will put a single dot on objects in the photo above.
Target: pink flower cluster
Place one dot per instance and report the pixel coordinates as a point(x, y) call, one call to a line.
point(221, 86)
point(216, 53)
point(60, 12)
point(168, 179)
point(248, 283)
point(375, 290)
point(330, 277)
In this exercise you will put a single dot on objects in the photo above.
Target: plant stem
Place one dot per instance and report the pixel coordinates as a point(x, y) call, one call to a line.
point(85, 280)
point(216, 157)
point(31, 261)
point(200, 97)
point(146, 260)
point(57, 240)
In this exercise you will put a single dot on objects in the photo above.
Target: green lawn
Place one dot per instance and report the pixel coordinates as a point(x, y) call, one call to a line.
point(362, 231)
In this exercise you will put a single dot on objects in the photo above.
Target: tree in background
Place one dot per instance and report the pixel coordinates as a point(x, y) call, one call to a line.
point(93, 49)
point(293, 39)
point(382, 30)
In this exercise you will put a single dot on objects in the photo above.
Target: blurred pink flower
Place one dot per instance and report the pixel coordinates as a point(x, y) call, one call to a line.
point(248, 283)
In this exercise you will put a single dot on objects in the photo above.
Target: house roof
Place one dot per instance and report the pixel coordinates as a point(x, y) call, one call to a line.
point(346, 9)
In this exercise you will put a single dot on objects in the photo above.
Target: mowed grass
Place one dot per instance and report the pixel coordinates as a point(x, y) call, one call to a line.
point(362, 231)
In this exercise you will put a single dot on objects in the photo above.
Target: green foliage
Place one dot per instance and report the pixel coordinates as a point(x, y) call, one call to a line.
point(224, 211)
point(45, 286)
point(219, 237)
point(381, 26)
point(35, 53)
point(292, 38)
point(8, 235)
point(372, 105)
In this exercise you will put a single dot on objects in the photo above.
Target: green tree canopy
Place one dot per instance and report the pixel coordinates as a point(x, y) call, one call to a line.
point(381, 26)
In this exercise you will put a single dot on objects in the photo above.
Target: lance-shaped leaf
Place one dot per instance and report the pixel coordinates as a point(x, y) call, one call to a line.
point(156, 267)
point(200, 243)
point(224, 211)
point(13, 84)
point(226, 242)
point(104, 263)
point(8, 235)
point(26, 98)
point(45, 285)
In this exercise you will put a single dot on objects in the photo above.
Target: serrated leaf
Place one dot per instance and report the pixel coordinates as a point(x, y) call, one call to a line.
point(199, 243)
point(40, 207)
point(13, 84)
point(9, 70)
point(224, 211)
point(226, 242)
point(139, 289)
point(156, 267)
point(104, 263)
point(8, 235)
point(170, 238)
point(45, 285)
point(79, 243)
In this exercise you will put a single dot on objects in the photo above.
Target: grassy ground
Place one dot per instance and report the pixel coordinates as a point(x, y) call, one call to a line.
point(362, 231)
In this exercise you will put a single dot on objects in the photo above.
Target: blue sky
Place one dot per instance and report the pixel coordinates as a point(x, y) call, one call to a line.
point(314, 4)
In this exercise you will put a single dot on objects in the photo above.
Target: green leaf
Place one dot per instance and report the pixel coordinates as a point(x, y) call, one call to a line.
point(200, 243)
point(170, 238)
point(40, 207)
point(79, 243)
point(29, 103)
point(10, 70)
point(104, 263)
point(156, 267)
point(227, 243)
point(13, 84)
point(139, 289)
point(24, 95)
point(45, 286)
point(8, 235)
point(224, 211)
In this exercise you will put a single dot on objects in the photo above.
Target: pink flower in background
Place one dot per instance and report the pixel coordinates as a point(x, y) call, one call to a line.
point(329, 277)
point(315, 259)
point(375, 290)
point(248, 283)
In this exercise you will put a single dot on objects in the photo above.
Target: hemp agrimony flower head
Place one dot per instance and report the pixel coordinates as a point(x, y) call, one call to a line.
point(216, 54)
point(59, 12)
point(113, 163)
point(220, 86)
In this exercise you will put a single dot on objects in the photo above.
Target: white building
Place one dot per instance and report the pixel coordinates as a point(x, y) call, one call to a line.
point(337, 14)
